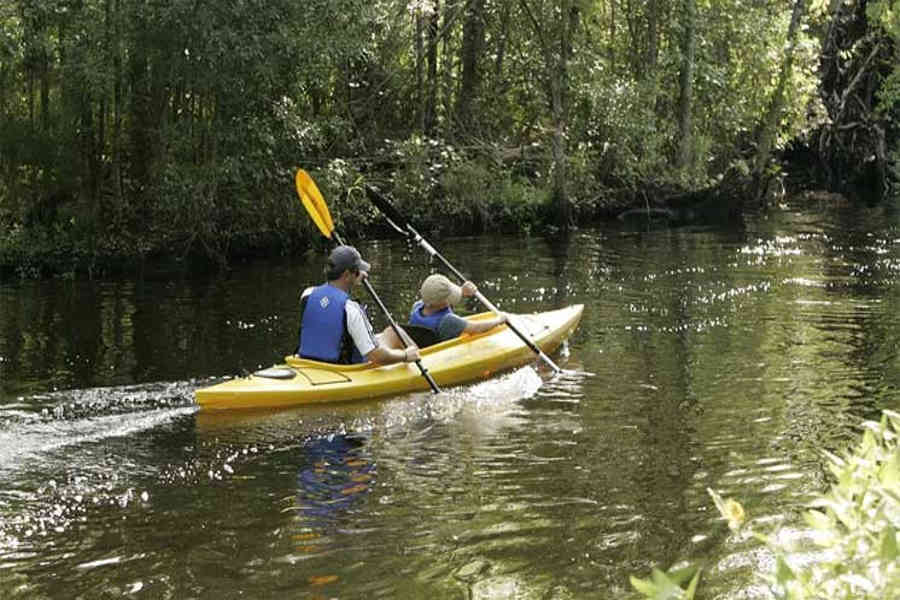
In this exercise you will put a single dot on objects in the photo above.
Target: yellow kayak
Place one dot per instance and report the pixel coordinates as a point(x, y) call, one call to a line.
point(466, 358)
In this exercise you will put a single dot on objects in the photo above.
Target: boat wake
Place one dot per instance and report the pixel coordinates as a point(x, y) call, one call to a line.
point(48, 422)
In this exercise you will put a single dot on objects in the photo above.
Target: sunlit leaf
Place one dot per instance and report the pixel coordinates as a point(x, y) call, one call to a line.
point(665, 588)
point(692, 588)
point(859, 581)
point(834, 458)
point(643, 586)
point(889, 545)
point(783, 572)
point(679, 576)
point(717, 499)
point(845, 514)
point(818, 519)
point(821, 502)
point(735, 514)
point(892, 494)
point(762, 538)
point(730, 509)
point(889, 475)
point(894, 418)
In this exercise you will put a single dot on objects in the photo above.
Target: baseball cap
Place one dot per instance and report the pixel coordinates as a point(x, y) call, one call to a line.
point(347, 257)
point(437, 288)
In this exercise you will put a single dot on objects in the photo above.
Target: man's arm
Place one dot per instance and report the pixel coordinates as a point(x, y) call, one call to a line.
point(368, 345)
point(382, 355)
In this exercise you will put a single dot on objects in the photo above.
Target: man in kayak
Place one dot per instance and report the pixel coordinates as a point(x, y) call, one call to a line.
point(335, 329)
point(434, 313)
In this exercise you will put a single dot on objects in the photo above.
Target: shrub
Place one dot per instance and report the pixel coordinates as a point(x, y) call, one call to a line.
point(854, 523)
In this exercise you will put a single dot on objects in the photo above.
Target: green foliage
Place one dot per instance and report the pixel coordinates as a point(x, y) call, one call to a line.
point(668, 585)
point(437, 184)
point(625, 135)
point(855, 526)
point(855, 523)
point(886, 14)
point(179, 123)
point(341, 185)
point(419, 163)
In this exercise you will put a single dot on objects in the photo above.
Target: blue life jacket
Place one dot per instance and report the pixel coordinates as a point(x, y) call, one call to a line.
point(323, 327)
point(431, 321)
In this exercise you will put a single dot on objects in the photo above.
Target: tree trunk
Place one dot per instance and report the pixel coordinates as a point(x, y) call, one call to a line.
point(45, 90)
point(557, 53)
point(769, 126)
point(653, 17)
point(117, 107)
point(420, 70)
point(503, 42)
point(431, 58)
point(612, 35)
point(686, 83)
point(472, 44)
point(561, 204)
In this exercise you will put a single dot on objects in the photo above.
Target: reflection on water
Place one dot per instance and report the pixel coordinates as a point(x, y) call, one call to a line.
point(706, 359)
point(335, 472)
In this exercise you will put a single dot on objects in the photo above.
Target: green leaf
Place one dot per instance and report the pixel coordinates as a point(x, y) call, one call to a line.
point(818, 520)
point(665, 587)
point(679, 576)
point(762, 538)
point(643, 586)
point(834, 458)
point(717, 499)
point(783, 572)
point(868, 442)
point(894, 418)
point(889, 474)
point(692, 588)
point(889, 545)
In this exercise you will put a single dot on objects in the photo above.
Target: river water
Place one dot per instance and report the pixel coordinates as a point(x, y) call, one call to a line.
point(723, 358)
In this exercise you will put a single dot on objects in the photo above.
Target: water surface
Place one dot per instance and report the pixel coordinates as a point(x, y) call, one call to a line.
point(707, 358)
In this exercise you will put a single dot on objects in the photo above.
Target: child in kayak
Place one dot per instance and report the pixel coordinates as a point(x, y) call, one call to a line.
point(434, 313)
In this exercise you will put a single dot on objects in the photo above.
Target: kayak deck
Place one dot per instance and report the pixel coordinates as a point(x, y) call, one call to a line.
point(466, 358)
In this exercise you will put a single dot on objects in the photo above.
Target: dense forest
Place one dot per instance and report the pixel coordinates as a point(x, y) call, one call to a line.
point(172, 128)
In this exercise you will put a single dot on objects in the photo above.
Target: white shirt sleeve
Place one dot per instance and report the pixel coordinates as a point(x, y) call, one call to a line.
point(360, 329)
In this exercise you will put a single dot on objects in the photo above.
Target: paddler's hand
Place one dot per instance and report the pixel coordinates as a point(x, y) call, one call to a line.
point(411, 354)
point(469, 289)
point(499, 319)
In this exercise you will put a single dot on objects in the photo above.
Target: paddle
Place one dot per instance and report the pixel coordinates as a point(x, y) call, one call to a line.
point(395, 218)
point(315, 205)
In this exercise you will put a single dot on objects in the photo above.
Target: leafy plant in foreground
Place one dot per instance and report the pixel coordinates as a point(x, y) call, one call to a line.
point(855, 525)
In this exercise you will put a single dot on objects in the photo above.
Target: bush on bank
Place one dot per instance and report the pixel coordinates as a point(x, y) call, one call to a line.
point(854, 526)
point(233, 213)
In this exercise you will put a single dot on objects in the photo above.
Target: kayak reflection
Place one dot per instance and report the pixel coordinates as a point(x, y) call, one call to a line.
point(337, 471)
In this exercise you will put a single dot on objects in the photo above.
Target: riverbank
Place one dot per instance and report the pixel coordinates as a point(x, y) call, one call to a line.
point(62, 246)
point(467, 198)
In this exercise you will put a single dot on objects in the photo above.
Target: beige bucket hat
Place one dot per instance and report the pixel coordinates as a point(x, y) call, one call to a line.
point(437, 288)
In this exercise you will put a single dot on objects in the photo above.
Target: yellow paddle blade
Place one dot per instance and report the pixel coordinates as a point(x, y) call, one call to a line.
point(314, 203)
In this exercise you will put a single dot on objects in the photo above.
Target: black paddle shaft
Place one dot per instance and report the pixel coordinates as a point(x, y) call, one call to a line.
point(393, 323)
point(395, 219)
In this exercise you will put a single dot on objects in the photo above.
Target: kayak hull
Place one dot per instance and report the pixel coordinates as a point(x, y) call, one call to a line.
point(467, 358)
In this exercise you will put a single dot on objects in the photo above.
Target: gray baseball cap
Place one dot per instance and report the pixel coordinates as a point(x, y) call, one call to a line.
point(346, 257)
